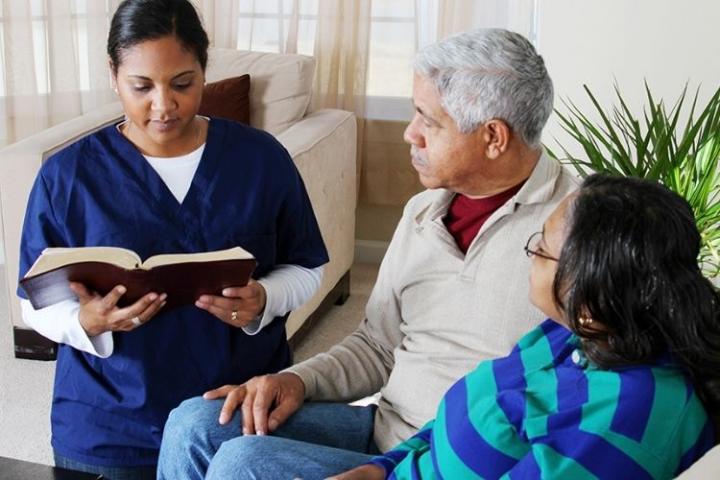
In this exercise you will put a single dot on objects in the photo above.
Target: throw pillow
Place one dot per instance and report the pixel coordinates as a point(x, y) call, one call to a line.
point(228, 98)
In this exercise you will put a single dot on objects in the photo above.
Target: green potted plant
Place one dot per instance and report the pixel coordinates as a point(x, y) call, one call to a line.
point(675, 146)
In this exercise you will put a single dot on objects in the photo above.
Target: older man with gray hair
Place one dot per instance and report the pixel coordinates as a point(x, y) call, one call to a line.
point(452, 289)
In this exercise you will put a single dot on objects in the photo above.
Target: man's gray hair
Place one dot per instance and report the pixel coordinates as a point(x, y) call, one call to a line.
point(490, 73)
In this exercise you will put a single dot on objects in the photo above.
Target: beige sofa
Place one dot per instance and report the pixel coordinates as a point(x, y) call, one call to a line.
point(708, 467)
point(322, 144)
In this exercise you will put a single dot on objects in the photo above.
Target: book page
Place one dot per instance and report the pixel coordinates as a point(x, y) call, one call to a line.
point(52, 258)
point(235, 253)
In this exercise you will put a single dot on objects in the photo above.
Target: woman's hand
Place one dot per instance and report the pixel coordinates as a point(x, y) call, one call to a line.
point(100, 314)
point(238, 306)
point(363, 472)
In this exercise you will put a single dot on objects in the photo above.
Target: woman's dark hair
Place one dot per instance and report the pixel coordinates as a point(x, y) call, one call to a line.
point(629, 262)
point(136, 21)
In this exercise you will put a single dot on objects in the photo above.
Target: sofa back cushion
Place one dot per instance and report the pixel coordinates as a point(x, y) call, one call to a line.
point(281, 84)
point(228, 98)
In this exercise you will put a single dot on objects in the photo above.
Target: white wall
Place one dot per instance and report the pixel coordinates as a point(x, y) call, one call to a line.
point(597, 42)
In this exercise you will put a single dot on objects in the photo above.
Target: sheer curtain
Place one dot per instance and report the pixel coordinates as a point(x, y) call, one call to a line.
point(54, 67)
point(341, 52)
point(460, 15)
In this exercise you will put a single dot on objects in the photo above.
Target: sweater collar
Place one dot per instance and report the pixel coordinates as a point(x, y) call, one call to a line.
point(538, 188)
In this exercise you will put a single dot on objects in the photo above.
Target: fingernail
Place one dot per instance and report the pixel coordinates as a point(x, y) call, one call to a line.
point(272, 424)
point(122, 289)
point(246, 431)
point(163, 296)
point(163, 304)
point(153, 297)
point(260, 432)
point(223, 418)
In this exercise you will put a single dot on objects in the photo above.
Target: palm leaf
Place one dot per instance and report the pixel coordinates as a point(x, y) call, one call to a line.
point(684, 156)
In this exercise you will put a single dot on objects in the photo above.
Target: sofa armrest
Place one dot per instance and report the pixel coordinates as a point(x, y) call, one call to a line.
point(707, 467)
point(323, 146)
point(19, 165)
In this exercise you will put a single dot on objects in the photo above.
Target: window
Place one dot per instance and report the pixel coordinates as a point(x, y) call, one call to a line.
point(398, 29)
point(263, 26)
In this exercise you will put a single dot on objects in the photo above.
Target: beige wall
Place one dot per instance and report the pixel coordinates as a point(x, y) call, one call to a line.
point(387, 178)
point(387, 182)
point(376, 222)
point(598, 42)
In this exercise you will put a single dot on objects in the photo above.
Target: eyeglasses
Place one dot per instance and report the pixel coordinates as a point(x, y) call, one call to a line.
point(534, 240)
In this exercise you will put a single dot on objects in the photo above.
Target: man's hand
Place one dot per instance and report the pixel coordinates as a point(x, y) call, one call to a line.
point(266, 401)
point(363, 472)
point(101, 314)
point(238, 306)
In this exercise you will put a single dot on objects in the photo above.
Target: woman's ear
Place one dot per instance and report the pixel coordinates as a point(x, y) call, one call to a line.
point(113, 75)
point(497, 137)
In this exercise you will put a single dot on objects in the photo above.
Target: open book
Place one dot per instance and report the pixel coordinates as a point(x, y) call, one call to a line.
point(183, 276)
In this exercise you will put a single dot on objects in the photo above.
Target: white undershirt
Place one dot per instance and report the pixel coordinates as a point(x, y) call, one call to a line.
point(287, 287)
point(177, 172)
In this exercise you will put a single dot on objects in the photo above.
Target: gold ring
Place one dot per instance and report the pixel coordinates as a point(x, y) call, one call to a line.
point(233, 316)
point(136, 321)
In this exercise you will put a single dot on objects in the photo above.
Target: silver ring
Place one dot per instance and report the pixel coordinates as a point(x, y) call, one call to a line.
point(233, 316)
point(136, 321)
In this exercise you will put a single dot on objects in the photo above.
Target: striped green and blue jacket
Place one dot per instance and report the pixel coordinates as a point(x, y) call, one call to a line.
point(545, 412)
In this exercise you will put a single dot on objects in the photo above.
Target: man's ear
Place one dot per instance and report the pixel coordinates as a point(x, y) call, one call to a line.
point(497, 137)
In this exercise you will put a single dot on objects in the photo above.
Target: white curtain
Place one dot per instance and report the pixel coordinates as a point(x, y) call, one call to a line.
point(54, 65)
point(460, 15)
point(335, 32)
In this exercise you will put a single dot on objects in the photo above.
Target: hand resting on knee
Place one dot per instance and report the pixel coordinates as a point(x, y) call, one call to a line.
point(266, 401)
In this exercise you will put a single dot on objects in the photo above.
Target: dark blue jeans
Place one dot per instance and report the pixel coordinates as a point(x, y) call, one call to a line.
point(319, 440)
point(109, 473)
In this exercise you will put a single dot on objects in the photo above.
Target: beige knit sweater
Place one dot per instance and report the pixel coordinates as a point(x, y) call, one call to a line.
point(434, 313)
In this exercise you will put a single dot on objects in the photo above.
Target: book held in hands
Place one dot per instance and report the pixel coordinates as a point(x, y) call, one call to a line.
point(183, 276)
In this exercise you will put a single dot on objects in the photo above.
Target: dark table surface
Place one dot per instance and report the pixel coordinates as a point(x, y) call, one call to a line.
point(12, 469)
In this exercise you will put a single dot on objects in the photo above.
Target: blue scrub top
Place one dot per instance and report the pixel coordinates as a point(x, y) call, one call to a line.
point(101, 191)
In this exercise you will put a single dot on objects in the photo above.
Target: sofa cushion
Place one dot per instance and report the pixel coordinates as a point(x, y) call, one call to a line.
point(229, 99)
point(281, 84)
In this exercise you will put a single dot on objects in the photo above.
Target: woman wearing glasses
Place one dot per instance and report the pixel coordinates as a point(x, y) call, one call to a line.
point(617, 382)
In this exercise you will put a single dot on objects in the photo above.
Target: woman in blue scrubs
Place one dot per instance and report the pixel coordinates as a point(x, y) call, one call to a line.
point(164, 180)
